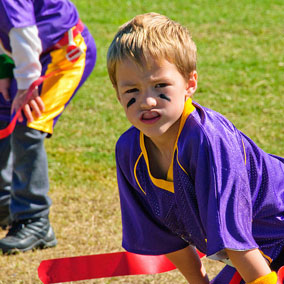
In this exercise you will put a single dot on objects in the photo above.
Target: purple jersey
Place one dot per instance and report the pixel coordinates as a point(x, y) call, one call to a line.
point(223, 191)
point(52, 18)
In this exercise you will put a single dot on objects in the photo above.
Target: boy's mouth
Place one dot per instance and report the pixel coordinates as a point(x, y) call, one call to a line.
point(150, 117)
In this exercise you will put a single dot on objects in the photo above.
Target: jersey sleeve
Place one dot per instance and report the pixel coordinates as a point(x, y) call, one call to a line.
point(142, 232)
point(223, 188)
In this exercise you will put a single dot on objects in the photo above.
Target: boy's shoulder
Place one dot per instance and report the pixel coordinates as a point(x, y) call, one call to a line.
point(128, 139)
point(128, 149)
point(207, 123)
point(208, 118)
point(130, 133)
point(205, 127)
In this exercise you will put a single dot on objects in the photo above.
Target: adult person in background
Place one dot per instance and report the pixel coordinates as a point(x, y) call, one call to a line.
point(36, 38)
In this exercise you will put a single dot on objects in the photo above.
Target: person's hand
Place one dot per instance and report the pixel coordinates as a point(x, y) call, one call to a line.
point(4, 88)
point(34, 103)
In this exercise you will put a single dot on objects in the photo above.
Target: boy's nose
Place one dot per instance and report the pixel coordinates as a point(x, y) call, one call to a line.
point(148, 101)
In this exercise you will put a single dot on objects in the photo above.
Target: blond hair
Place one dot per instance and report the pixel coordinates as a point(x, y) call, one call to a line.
point(152, 35)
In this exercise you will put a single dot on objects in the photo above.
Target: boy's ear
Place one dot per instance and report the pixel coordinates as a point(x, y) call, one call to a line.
point(191, 84)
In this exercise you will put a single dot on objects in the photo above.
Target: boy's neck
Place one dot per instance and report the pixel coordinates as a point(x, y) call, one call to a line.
point(166, 142)
point(159, 149)
point(160, 152)
point(160, 158)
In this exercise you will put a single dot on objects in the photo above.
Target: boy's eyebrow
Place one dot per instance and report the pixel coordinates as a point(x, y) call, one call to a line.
point(158, 78)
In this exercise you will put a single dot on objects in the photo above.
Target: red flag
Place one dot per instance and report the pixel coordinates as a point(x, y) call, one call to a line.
point(101, 265)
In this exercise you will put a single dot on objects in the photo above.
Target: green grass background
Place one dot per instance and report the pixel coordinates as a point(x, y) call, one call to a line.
point(241, 74)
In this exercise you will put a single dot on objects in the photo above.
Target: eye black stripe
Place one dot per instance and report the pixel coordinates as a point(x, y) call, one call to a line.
point(163, 96)
point(132, 101)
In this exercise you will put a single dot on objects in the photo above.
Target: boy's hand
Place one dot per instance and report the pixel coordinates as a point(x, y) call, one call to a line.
point(34, 104)
point(188, 263)
point(4, 88)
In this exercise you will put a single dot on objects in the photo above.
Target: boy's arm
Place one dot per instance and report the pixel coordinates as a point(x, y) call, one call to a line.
point(252, 266)
point(188, 262)
point(26, 49)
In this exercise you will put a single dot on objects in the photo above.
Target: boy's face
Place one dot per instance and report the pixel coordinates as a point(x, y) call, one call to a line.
point(153, 96)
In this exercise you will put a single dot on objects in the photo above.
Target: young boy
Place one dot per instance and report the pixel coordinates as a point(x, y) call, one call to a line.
point(187, 177)
point(36, 38)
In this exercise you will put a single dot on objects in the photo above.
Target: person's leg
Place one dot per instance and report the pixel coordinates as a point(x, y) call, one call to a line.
point(29, 207)
point(30, 183)
point(5, 178)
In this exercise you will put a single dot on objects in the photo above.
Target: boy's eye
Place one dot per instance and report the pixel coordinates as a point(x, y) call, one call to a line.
point(131, 91)
point(161, 85)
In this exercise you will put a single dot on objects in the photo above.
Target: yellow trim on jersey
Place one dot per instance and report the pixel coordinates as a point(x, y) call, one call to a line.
point(136, 174)
point(161, 183)
point(266, 256)
point(180, 164)
point(57, 90)
point(244, 151)
point(188, 109)
point(164, 184)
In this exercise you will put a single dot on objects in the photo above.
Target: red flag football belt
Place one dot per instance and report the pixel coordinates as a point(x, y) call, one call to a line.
point(10, 128)
point(110, 265)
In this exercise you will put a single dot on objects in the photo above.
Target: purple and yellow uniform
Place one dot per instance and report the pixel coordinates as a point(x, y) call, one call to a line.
point(222, 191)
point(53, 18)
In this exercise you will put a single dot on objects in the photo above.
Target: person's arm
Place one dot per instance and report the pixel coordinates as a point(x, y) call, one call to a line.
point(189, 264)
point(26, 49)
point(252, 266)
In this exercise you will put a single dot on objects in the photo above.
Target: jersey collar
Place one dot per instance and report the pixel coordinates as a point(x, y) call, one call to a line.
point(168, 183)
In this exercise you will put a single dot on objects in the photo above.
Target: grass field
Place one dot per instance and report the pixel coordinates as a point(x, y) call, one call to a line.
point(241, 74)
